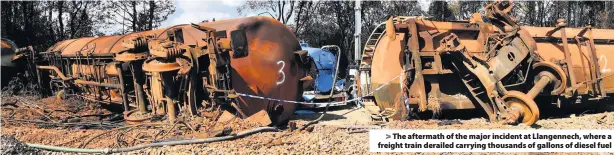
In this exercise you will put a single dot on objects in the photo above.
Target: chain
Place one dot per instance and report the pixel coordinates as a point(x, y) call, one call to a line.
point(308, 103)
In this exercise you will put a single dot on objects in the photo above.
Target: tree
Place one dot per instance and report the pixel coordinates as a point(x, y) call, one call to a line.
point(25, 23)
point(82, 18)
point(467, 8)
point(43, 23)
point(304, 13)
point(439, 10)
point(577, 13)
point(376, 12)
point(281, 10)
point(324, 22)
point(138, 15)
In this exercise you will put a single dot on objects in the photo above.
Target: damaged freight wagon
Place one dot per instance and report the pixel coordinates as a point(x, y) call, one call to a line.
point(188, 70)
point(491, 63)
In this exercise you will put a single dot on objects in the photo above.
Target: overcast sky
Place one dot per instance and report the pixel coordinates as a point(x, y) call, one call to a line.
point(195, 11)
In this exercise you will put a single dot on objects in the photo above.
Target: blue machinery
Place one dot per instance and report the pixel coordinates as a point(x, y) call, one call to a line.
point(326, 73)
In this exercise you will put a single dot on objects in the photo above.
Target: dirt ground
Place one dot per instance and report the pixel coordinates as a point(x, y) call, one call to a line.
point(342, 131)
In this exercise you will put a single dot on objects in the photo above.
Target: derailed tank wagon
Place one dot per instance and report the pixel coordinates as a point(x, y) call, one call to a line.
point(184, 69)
point(14, 65)
point(414, 64)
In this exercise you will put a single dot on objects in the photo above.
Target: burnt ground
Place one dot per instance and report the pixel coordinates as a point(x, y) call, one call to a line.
point(342, 131)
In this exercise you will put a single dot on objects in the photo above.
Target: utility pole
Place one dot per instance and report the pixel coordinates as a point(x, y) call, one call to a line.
point(357, 28)
point(355, 71)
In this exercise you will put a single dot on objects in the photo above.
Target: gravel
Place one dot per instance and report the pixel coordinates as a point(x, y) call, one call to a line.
point(10, 145)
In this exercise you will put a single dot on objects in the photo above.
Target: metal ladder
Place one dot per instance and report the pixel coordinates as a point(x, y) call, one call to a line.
point(365, 65)
point(367, 56)
point(376, 35)
point(369, 48)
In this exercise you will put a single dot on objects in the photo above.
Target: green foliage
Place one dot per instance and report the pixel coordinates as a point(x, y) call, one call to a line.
point(440, 11)
point(600, 14)
point(135, 16)
point(43, 23)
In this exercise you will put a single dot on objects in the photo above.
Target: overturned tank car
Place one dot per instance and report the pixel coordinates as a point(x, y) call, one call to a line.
point(414, 64)
point(13, 64)
point(184, 70)
point(8, 51)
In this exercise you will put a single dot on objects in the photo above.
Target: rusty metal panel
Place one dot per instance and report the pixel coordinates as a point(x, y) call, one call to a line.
point(271, 47)
point(553, 52)
point(186, 66)
point(541, 32)
point(387, 65)
point(498, 65)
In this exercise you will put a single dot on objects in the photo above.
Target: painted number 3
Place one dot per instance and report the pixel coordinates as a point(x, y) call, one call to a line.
point(283, 75)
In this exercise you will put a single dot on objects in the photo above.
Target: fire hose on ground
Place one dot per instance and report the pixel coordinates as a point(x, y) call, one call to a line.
point(158, 144)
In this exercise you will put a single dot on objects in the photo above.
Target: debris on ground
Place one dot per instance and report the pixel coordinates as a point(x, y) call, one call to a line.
point(341, 131)
point(10, 145)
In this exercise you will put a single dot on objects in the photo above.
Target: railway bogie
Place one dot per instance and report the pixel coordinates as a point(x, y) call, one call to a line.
point(494, 64)
point(187, 70)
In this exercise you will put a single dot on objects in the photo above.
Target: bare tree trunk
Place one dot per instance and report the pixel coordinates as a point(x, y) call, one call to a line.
point(152, 7)
point(280, 11)
point(60, 20)
point(26, 20)
point(569, 10)
point(71, 22)
point(289, 12)
point(134, 17)
point(609, 15)
point(50, 26)
point(542, 12)
point(581, 12)
point(297, 21)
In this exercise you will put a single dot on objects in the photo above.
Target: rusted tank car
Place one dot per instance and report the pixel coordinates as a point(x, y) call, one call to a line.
point(411, 63)
point(184, 69)
point(8, 51)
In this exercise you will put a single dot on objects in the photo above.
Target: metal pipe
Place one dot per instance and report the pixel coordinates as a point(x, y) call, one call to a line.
point(332, 89)
point(94, 83)
point(170, 106)
point(158, 144)
point(57, 71)
point(92, 54)
point(539, 86)
point(123, 88)
point(138, 87)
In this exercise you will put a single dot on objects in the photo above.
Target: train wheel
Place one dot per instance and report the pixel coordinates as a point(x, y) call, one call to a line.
point(521, 107)
point(191, 97)
point(560, 81)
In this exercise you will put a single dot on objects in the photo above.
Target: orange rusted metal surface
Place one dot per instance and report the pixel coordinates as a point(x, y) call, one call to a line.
point(185, 69)
point(498, 66)
point(269, 69)
point(589, 62)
